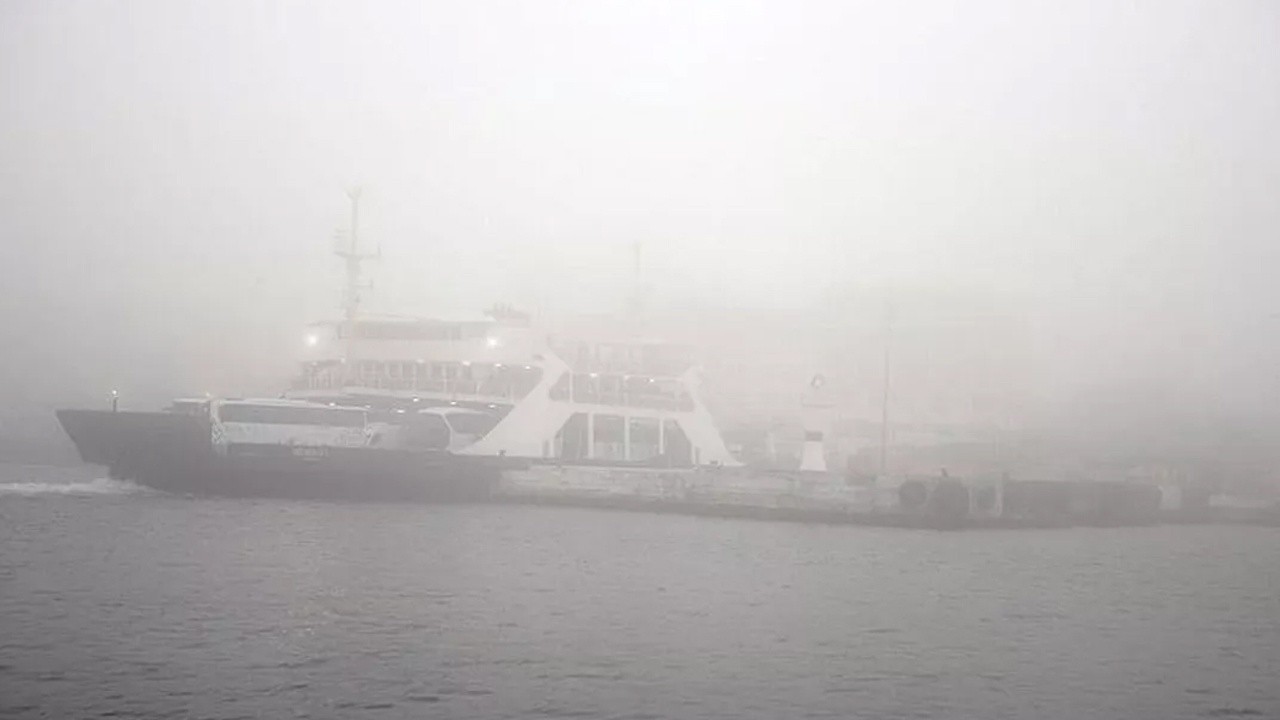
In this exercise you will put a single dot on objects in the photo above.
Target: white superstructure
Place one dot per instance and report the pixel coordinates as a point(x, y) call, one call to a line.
point(518, 392)
point(521, 395)
point(624, 403)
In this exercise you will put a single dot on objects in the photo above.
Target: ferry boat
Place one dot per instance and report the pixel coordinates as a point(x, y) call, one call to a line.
point(403, 408)
point(385, 425)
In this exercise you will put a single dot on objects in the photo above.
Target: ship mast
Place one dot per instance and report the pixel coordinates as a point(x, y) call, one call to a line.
point(884, 390)
point(637, 287)
point(354, 262)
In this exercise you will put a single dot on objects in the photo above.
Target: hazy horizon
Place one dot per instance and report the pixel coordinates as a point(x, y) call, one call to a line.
point(172, 173)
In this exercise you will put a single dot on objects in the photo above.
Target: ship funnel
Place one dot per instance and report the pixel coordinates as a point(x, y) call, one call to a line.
point(816, 410)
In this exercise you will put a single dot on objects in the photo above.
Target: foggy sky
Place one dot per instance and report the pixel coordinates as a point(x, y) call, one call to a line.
point(171, 173)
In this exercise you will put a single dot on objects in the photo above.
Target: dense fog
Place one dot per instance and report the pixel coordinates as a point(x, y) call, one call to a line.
point(172, 177)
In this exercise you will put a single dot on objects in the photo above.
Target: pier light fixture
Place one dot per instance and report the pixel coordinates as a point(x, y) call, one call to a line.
point(312, 340)
point(492, 341)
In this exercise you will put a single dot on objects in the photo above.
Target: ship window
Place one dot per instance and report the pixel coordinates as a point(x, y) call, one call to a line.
point(679, 451)
point(644, 438)
point(609, 428)
point(286, 415)
point(609, 437)
point(572, 438)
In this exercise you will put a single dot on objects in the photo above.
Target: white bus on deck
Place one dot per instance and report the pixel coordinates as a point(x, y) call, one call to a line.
point(291, 423)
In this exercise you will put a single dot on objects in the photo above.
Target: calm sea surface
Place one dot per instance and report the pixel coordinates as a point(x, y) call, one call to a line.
point(117, 601)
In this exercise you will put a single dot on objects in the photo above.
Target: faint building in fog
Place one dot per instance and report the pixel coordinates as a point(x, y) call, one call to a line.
point(960, 364)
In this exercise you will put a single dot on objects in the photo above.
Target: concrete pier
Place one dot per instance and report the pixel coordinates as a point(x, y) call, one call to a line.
point(938, 503)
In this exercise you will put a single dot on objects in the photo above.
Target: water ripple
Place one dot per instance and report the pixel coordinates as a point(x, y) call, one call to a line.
point(120, 603)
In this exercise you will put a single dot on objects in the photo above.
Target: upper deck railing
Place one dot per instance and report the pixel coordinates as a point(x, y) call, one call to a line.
point(620, 390)
point(496, 380)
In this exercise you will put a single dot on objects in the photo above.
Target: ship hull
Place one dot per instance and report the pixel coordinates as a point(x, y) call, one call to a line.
point(174, 453)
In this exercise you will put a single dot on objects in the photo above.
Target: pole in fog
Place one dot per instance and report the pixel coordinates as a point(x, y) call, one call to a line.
point(884, 396)
point(353, 261)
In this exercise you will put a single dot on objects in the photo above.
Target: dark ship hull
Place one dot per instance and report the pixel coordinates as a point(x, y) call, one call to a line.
point(174, 452)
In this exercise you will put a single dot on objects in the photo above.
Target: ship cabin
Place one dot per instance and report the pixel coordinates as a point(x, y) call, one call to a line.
point(626, 402)
point(627, 395)
point(615, 401)
point(389, 364)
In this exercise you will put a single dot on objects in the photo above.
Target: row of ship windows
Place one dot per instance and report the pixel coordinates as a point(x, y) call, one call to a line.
point(497, 380)
point(622, 390)
point(614, 438)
